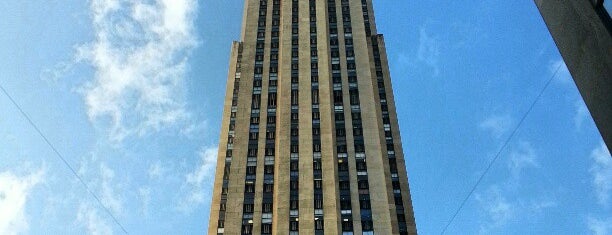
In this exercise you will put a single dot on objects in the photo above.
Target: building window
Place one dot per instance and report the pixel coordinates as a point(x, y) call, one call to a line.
point(295, 148)
point(318, 184)
point(294, 204)
point(267, 208)
point(294, 185)
point(294, 97)
point(317, 165)
point(318, 224)
point(269, 169)
point(247, 229)
point(342, 165)
point(266, 228)
point(250, 170)
point(344, 185)
point(362, 184)
point(249, 188)
point(338, 97)
point(316, 116)
point(248, 208)
point(271, 119)
point(294, 165)
point(294, 225)
point(315, 96)
point(364, 202)
point(318, 204)
point(347, 225)
point(272, 100)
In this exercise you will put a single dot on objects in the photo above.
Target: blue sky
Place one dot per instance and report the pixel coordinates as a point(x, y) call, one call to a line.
point(130, 93)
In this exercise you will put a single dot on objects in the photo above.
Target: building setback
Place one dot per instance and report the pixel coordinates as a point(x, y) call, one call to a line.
point(310, 142)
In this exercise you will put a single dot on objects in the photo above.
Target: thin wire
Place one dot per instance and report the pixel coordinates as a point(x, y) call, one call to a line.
point(501, 149)
point(62, 158)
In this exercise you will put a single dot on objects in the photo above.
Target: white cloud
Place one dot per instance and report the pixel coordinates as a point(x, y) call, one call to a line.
point(109, 197)
point(500, 208)
point(88, 217)
point(497, 125)
point(199, 182)
point(14, 193)
point(581, 115)
point(522, 157)
point(600, 226)
point(429, 50)
point(139, 56)
point(497, 210)
point(601, 171)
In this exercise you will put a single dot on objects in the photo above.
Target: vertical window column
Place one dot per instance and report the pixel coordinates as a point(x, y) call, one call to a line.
point(294, 151)
point(341, 143)
point(390, 146)
point(316, 121)
point(230, 144)
point(251, 166)
point(270, 143)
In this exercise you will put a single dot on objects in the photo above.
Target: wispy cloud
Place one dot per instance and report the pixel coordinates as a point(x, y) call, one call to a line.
point(497, 210)
point(140, 57)
point(198, 183)
point(600, 226)
point(581, 114)
point(89, 218)
point(563, 74)
point(429, 50)
point(14, 193)
point(524, 156)
point(497, 125)
point(109, 195)
point(601, 172)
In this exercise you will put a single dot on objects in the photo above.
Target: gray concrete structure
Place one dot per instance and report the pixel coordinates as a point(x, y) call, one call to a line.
point(582, 32)
point(310, 141)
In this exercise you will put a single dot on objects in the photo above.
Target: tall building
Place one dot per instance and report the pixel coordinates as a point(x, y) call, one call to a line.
point(310, 142)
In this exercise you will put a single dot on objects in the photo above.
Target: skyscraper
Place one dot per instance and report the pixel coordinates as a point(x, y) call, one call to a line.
point(310, 142)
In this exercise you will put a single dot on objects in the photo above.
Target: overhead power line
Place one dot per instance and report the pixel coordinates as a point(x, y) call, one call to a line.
point(501, 149)
point(59, 155)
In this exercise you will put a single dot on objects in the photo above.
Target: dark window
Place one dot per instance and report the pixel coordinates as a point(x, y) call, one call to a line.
point(271, 99)
point(337, 97)
point(347, 225)
point(294, 185)
point(294, 204)
point(318, 203)
point(247, 229)
point(256, 101)
point(294, 226)
point(251, 170)
point(318, 224)
point(249, 188)
point(316, 165)
point(345, 185)
point(248, 208)
point(267, 207)
point(268, 169)
point(318, 184)
point(315, 96)
point(266, 228)
point(268, 188)
point(294, 165)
